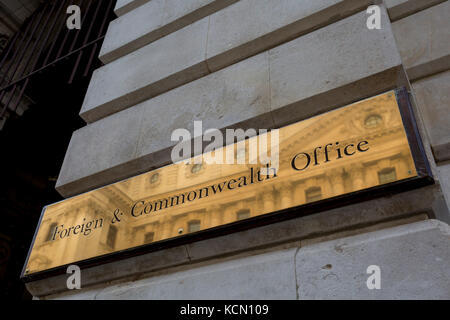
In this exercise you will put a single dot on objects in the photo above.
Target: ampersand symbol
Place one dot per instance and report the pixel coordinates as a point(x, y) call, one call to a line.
point(116, 218)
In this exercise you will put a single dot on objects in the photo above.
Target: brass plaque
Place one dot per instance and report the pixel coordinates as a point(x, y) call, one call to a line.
point(349, 149)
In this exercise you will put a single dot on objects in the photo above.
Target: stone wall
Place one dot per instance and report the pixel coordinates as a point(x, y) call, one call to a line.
point(333, 269)
point(266, 64)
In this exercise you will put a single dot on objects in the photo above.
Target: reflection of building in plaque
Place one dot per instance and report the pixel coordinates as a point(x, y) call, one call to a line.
point(367, 146)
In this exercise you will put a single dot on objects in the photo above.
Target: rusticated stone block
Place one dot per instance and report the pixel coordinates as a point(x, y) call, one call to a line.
point(412, 260)
point(433, 97)
point(422, 40)
point(399, 9)
point(332, 66)
point(124, 6)
point(154, 20)
point(167, 63)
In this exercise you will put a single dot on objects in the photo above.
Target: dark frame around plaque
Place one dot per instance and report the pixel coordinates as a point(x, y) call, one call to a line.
point(423, 178)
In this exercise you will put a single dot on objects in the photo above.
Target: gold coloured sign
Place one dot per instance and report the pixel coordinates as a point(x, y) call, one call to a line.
point(349, 149)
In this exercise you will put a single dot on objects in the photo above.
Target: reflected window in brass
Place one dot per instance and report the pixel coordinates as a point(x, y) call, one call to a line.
point(241, 155)
point(313, 194)
point(196, 168)
point(373, 121)
point(138, 234)
point(112, 235)
point(149, 236)
point(194, 226)
point(387, 175)
point(243, 214)
point(51, 231)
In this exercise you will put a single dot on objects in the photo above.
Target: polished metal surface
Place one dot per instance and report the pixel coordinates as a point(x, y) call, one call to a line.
point(349, 149)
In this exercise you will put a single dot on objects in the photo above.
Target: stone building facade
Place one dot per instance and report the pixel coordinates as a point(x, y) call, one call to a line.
point(265, 64)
